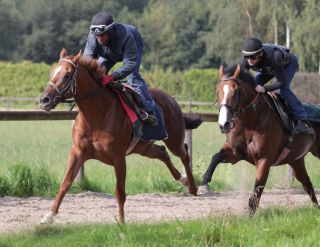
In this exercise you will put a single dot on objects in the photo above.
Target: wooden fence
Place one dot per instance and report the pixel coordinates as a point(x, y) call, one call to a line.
point(70, 115)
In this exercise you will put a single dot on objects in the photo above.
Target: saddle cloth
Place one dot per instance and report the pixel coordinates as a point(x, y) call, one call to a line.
point(130, 102)
point(313, 112)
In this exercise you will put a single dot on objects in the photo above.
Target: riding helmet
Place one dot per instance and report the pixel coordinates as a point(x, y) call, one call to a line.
point(252, 46)
point(101, 23)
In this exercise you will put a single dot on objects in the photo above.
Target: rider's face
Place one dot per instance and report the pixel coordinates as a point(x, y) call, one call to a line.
point(103, 39)
point(254, 59)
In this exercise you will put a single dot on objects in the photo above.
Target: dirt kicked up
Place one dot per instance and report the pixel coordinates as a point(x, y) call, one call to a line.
point(17, 214)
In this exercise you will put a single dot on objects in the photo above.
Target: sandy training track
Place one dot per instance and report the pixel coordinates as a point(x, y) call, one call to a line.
point(18, 214)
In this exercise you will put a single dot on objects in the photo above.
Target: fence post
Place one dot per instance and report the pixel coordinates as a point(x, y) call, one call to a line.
point(80, 175)
point(290, 175)
point(188, 141)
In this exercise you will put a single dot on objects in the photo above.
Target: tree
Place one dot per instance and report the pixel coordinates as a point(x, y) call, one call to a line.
point(305, 42)
point(10, 28)
point(227, 31)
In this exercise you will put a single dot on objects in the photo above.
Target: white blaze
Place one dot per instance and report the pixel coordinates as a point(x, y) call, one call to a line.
point(223, 110)
point(56, 72)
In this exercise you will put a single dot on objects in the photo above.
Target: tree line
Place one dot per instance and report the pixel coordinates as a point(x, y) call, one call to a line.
point(178, 34)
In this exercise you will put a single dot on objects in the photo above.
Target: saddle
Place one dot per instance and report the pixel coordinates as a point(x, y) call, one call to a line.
point(279, 105)
point(129, 96)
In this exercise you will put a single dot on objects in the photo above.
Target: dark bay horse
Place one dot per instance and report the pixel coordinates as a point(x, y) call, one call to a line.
point(254, 134)
point(103, 131)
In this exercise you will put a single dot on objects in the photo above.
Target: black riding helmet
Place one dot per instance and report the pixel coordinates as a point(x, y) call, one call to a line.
point(252, 46)
point(101, 23)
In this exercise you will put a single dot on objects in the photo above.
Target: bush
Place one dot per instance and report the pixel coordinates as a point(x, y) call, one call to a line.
point(20, 180)
point(44, 184)
point(25, 79)
point(4, 186)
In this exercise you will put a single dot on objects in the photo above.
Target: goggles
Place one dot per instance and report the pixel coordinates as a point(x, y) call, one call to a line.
point(252, 57)
point(100, 29)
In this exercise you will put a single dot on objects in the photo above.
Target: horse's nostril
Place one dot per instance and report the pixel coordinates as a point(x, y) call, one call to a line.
point(45, 100)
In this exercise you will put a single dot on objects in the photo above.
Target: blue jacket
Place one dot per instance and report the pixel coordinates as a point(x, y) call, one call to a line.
point(273, 61)
point(123, 46)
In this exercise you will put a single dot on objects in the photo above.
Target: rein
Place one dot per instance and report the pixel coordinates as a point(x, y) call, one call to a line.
point(72, 86)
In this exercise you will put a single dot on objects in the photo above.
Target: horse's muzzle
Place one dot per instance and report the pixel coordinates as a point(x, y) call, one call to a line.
point(46, 103)
point(225, 128)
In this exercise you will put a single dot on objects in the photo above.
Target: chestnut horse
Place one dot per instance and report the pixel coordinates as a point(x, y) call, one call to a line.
point(254, 133)
point(103, 131)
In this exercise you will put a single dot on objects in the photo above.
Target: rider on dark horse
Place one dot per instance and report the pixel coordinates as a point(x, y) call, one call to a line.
point(112, 42)
point(269, 61)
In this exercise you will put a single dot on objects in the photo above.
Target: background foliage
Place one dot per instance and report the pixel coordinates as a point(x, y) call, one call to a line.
point(179, 34)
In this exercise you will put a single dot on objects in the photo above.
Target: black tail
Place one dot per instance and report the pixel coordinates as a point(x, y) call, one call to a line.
point(192, 121)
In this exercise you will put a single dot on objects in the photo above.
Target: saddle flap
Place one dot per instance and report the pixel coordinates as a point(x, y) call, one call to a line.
point(278, 104)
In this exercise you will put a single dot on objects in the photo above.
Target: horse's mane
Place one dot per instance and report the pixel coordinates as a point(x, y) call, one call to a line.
point(93, 67)
point(244, 75)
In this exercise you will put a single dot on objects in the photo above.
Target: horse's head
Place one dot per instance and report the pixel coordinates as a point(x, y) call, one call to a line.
point(62, 83)
point(228, 95)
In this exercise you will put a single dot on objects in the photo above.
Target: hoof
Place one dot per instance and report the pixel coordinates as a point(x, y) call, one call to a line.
point(48, 218)
point(203, 189)
point(252, 206)
point(193, 191)
point(184, 180)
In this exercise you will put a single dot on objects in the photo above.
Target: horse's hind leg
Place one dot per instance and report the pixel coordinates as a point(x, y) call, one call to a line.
point(301, 174)
point(154, 151)
point(76, 160)
point(185, 159)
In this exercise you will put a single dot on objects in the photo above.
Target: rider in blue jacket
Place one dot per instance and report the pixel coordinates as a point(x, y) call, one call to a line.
point(269, 61)
point(112, 42)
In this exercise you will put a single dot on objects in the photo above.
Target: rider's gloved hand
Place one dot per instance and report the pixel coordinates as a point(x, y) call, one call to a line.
point(105, 80)
point(260, 89)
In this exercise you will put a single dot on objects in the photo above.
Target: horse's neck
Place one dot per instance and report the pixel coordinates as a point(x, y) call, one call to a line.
point(97, 104)
point(257, 108)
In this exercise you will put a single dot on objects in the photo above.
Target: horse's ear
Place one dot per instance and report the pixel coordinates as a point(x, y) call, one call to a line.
point(77, 57)
point(221, 71)
point(237, 72)
point(63, 53)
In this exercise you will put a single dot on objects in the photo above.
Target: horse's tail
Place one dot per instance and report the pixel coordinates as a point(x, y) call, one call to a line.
point(192, 121)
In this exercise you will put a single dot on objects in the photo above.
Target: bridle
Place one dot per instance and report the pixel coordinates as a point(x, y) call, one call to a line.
point(235, 110)
point(71, 86)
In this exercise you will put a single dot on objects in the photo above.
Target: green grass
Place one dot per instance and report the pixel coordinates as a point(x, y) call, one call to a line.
point(271, 227)
point(43, 146)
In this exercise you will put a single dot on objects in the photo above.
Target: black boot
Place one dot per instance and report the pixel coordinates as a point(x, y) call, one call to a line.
point(149, 118)
point(301, 126)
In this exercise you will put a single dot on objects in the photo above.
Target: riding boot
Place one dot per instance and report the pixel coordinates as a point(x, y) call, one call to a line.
point(301, 126)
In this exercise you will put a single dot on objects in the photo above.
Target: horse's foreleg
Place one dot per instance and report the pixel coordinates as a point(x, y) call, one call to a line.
point(301, 174)
point(120, 170)
point(207, 176)
point(76, 160)
point(263, 169)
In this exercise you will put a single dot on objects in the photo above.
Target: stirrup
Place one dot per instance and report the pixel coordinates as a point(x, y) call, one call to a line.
point(149, 118)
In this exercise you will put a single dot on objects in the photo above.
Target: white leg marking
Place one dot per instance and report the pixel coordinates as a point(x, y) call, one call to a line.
point(48, 218)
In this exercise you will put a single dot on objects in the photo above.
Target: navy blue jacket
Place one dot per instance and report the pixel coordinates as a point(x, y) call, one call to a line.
point(273, 61)
point(123, 46)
